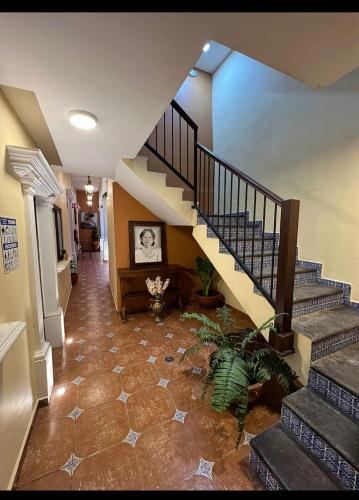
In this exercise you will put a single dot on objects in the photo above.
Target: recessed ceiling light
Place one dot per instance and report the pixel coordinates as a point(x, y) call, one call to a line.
point(82, 119)
point(193, 73)
point(206, 47)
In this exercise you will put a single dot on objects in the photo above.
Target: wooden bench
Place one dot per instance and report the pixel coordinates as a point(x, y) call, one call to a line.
point(126, 275)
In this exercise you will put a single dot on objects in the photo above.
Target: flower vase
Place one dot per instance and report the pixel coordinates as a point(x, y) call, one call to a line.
point(157, 307)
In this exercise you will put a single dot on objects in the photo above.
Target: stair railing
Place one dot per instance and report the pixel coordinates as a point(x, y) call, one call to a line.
point(257, 227)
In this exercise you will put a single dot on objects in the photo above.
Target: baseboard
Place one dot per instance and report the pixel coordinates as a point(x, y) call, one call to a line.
point(23, 445)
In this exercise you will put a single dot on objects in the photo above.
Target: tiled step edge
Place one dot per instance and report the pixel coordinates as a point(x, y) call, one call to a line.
point(334, 343)
point(281, 463)
point(336, 395)
point(321, 449)
point(317, 304)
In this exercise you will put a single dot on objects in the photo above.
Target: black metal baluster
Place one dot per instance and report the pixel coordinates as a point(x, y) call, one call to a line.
point(238, 218)
point(156, 138)
point(219, 191)
point(200, 180)
point(225, 202)
point(180, 145)
point(273, 250)
point(230, 211)
point(213, 195)
point(172, 138)
point(187, 153)
point(263, 230)
point(164, 135)
point(245, 225)
point(253, 226)
point(208, 171)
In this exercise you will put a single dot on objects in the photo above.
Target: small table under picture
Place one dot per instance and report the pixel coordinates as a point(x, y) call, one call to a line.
point(173, 271)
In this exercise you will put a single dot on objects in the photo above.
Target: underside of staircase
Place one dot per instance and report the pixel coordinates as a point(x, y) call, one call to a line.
point(315, 445)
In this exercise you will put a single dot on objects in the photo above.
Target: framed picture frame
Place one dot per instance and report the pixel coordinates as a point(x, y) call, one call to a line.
point(147, 243)
point(88, 220)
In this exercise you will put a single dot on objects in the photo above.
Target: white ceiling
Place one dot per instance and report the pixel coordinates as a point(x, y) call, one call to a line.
point(126, 67)
point(79, 181)
point(209, 61)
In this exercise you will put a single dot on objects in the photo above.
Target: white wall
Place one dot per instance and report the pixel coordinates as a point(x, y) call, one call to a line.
point(301, 143)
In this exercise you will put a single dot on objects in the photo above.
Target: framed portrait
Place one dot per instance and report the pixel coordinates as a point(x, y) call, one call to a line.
point(147, 243)
point(88, 220)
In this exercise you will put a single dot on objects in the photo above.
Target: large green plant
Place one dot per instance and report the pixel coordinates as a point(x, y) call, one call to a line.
point(206, 273)
point(234, 366)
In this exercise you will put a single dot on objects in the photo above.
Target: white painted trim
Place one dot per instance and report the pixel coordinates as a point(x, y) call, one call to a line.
point(9, 332)
point(28, 428)
point(67, 302)
point(30, 167)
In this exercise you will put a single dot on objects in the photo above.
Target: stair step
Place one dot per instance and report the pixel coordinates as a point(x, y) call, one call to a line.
point(329, 330)
point(257, 246)
point(335, 378)
point(331, 436)
point(313, 297)
point(342, 367)
point(291, 467)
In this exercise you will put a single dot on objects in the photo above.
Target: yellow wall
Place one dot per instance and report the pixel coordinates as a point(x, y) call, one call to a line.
point(14, 292)
point(300, 143)
point(111, 242)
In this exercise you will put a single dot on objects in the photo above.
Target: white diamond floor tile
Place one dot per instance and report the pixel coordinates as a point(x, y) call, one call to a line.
point(79, 358)
point(169, 335)
point(247, 437)
point(110, 334)
point(114, 349)
point(181, 350)
point(163, 382)
point(71, 464)
point(196, 370)
point(143, 342)
point(151, 359)
point(204, 468)
point(76, 412)
point(77, 380)
point(131, 437)
point(123, 396)
point(81, 341)
point(118, 369)
point(137, 329)
point(179, 415)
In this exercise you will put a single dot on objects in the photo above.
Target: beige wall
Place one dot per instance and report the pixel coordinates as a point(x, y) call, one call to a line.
point(14, 300)
point(300, 143)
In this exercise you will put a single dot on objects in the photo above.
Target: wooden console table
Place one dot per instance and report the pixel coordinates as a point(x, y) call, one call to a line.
point(125, 275)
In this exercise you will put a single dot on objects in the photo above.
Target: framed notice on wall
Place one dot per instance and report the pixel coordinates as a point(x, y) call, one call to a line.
point(9, 244)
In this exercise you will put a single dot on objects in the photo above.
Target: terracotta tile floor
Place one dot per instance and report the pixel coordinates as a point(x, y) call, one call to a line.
point(122, 417)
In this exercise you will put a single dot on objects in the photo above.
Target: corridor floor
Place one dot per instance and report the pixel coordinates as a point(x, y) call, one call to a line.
point(121, 417)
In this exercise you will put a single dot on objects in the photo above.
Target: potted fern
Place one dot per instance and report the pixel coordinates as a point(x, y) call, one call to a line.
point(240, 365)
point(206, 297)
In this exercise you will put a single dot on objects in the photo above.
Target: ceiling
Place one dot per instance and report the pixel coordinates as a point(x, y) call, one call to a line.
point(210, 61)
point(126, 67)
point(79, 181)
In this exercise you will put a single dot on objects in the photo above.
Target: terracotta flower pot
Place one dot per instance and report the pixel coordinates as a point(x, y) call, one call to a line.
point(255, 391)
point(213, 299)
point(95, 245)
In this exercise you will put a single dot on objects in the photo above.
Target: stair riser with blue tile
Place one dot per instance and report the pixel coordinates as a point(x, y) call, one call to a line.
point(299, 279)
point(330, 458)
point(256, 246)
point(263, 473)
point(234, 233)
point(334, 343)
point(336, 395)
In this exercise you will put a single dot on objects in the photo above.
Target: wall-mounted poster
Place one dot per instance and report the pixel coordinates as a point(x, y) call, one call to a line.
point(88, 220)
point(9, 244)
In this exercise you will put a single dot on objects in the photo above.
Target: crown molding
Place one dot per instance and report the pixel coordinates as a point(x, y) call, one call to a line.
point(30, 167)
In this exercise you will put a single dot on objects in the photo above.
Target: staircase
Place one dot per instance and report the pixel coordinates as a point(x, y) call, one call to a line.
point(250, 235)
point(315, 445)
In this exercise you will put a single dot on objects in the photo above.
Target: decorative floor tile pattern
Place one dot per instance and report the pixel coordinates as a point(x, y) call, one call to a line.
point(76, 412)
point(131, 438)
point(77, 380)
point(180, 416)
point(82, 398)
point(71, 464)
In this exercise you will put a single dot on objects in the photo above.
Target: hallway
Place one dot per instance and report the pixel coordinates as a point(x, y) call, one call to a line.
point(121, 416)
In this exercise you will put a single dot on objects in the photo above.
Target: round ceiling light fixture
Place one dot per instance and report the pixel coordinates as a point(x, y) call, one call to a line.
point(193, 73)
point(206, 47)
point(82, 119)
point(89, 188)
point(89, 203)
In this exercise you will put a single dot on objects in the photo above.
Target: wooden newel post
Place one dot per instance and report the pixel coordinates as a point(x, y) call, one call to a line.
point(283, 341)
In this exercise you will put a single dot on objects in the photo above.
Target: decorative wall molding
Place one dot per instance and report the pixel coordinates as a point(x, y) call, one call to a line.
point(9, 332)
point(30, 167)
